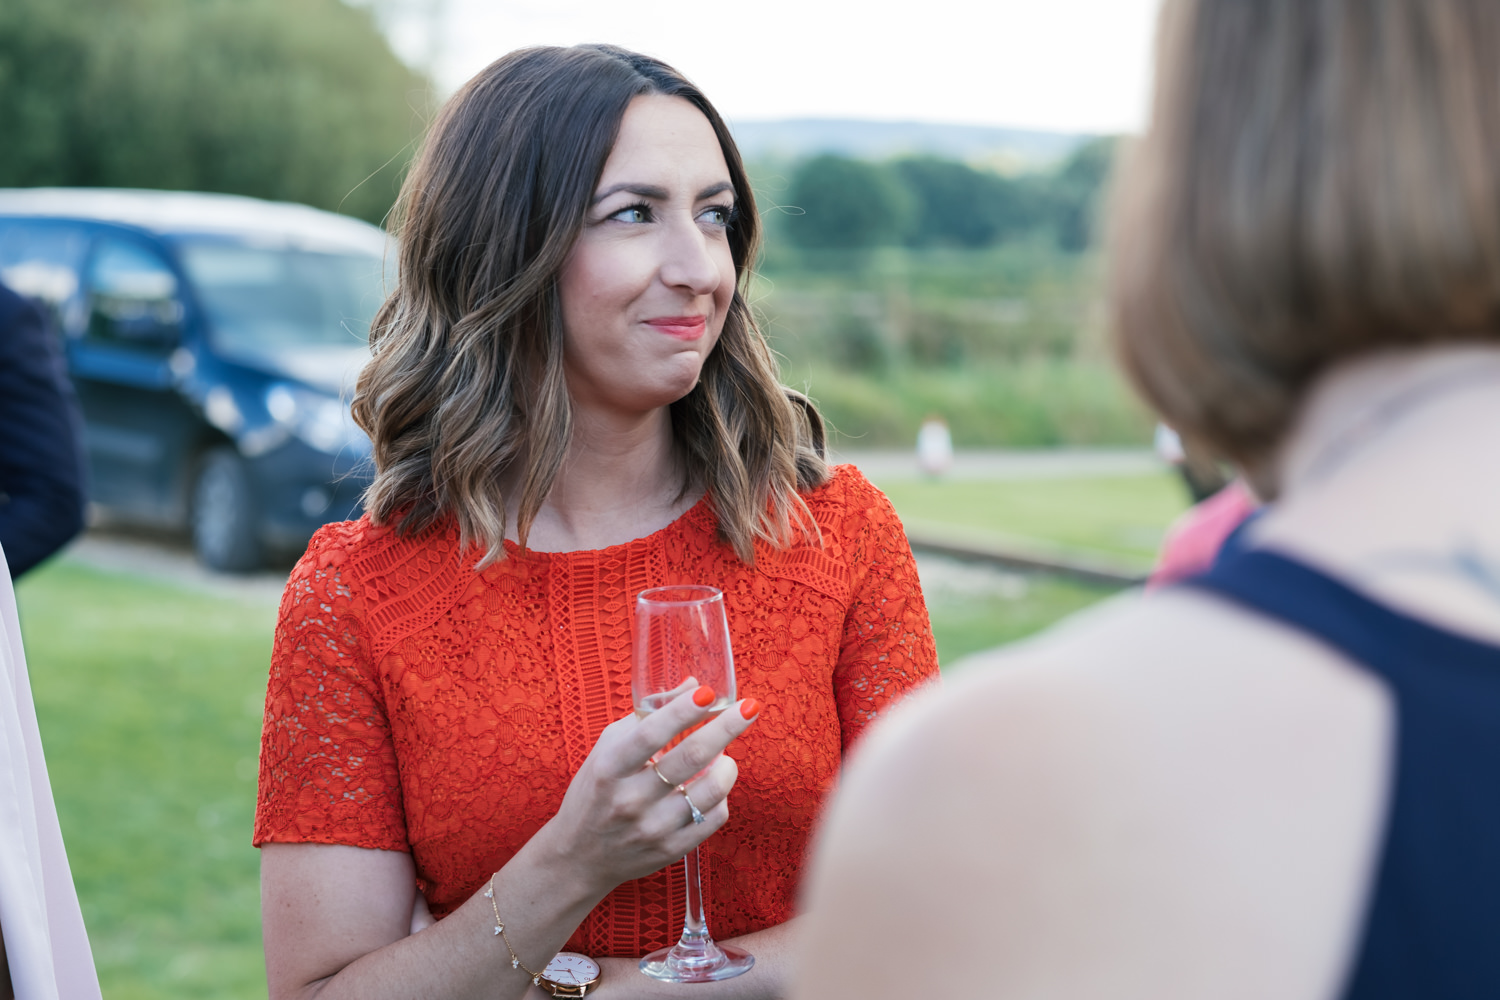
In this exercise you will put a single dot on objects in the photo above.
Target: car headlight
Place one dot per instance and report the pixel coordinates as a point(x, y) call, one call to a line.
point(322, 421)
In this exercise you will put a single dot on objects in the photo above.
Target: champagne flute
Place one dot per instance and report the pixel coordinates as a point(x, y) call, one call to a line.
point(681, 642)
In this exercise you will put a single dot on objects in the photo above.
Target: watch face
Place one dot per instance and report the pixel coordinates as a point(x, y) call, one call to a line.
point(571, 969)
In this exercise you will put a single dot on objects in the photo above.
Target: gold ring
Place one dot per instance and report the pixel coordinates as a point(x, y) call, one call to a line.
point(663, 777)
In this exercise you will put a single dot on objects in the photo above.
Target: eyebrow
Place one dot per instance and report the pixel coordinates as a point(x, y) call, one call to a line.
point(656, 193)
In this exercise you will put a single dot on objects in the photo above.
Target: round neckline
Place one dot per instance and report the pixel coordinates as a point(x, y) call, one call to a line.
point(699, 511)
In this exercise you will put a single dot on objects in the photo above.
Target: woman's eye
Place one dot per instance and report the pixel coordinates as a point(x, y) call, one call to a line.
point(718, 215)
point(635, 213)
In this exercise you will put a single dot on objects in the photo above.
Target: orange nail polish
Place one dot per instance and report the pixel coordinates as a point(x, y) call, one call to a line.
point(749, 708)
point(703, 697)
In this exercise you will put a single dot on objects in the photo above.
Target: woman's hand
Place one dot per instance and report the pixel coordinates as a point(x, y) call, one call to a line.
point(621, 818)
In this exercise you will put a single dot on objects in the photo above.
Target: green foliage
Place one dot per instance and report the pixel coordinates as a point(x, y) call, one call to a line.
point(960, 206)
point(1076, 194)
point(1037, 403)
point(847, 204)
point(927, 201)
point(296, 100)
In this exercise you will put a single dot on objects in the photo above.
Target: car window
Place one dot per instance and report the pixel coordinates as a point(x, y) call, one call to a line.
point(261, 300)
point(41, 261)
point(133, 299)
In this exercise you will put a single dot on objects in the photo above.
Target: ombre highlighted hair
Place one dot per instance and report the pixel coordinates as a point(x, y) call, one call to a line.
point(465, 387)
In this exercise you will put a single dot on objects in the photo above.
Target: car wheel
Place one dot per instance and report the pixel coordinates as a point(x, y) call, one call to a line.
point(224, 528)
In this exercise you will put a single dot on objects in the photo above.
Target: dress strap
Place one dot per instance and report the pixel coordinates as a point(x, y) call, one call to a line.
point(1394, 645)
point(1433, 915)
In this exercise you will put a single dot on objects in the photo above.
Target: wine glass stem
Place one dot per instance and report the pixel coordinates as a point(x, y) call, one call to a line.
point(695, 927)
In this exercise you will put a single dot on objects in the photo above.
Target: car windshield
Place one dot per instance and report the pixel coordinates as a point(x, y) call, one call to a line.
point(263, 301)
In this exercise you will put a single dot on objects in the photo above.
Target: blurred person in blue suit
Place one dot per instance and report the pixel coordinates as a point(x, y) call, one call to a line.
point(41, 439)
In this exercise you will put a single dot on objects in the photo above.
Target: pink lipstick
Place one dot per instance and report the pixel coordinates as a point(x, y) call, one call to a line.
point(681, 327)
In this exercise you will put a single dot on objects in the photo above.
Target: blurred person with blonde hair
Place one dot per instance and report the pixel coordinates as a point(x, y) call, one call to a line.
point(1279, 779)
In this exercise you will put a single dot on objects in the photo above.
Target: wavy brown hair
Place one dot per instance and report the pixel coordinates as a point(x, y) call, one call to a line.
point(1321, 179)
point(465, 387)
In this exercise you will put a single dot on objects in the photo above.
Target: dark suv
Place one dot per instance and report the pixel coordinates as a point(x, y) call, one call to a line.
point(213, 341)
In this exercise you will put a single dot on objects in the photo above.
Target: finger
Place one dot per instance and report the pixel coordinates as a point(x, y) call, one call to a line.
point(688, 834)
point(714, 784)
point(661, 726)
point(684, 761)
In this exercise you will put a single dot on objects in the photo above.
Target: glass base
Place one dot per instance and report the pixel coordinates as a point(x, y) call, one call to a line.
point(706, 963)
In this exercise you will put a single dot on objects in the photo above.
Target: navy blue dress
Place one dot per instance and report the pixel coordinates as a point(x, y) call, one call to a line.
point(1432, 924)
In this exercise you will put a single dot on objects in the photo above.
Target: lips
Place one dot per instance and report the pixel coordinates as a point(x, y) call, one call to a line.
point(681, 327)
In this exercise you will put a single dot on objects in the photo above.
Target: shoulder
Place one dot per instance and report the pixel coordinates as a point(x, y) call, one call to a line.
point(1193, 670)
point(851, 508)
point(1143, 767)
point(846, 489)
point(395, 581)
point(832, 558)
point(14, 308)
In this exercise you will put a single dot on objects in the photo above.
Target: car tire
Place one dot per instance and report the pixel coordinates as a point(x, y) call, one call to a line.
point(225, 532)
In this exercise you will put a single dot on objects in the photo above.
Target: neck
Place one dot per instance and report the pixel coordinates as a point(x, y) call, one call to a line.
point(620, 480)
point(1363, 404)
point(1391, 477)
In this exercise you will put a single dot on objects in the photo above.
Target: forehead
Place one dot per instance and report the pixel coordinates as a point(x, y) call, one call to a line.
point(662, 140)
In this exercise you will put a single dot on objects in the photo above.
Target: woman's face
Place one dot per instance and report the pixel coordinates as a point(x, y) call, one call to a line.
point(647, 287)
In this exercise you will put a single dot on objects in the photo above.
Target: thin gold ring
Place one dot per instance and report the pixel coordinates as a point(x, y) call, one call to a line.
point(663, 777)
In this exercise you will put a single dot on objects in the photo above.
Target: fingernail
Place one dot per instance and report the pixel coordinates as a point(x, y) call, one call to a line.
point(749, 708)
point(703, 697)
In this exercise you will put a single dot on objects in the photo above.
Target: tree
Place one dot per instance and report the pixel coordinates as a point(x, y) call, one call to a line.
point(846, 205)
point(297, 100)
point(1076, 193)
point(957, 205)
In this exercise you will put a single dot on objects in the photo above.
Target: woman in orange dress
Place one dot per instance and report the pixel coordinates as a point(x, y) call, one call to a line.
point(569, 402)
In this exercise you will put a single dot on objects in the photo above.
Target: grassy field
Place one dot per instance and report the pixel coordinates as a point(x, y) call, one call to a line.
point(1123, 517)
point(1007, 343)
point(149, 697)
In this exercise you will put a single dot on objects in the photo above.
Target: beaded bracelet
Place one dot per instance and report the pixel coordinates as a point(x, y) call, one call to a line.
point(515, 960)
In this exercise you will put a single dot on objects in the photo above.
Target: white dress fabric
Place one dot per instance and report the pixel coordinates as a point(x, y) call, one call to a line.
point(45, 941)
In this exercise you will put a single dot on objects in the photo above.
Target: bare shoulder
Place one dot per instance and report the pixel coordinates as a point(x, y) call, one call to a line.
point(1084, 805)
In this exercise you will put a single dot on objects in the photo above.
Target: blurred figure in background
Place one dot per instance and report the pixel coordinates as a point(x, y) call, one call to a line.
point(1196, 536)
point(41, 439)
point(934, 446)
point(1280, 780)
point(45, 952)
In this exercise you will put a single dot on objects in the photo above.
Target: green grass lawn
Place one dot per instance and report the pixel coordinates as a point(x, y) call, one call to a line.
point(149, 698)
point(1122, 517)
point(964, 623)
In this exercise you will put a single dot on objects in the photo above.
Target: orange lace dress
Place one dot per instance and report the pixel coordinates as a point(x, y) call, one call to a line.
point(416, 705)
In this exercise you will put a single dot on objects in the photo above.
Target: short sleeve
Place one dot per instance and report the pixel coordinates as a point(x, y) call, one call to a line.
point(328, 771)
point(887, 650)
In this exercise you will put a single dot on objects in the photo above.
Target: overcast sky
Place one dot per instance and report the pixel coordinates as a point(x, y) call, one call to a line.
point(1066, 65)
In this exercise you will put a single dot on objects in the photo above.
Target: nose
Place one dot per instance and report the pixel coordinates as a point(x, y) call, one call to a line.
point(688, 260)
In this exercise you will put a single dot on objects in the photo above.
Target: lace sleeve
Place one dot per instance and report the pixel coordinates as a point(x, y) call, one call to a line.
point(888, 650)
point(328, 772)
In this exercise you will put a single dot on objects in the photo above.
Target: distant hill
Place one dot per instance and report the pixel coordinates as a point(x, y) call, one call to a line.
point(1002, 148)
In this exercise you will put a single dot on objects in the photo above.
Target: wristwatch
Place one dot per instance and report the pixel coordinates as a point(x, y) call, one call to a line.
point(570, 975)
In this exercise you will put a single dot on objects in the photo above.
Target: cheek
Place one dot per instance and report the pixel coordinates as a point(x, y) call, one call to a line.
point(598, 278)
point(724, 294)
